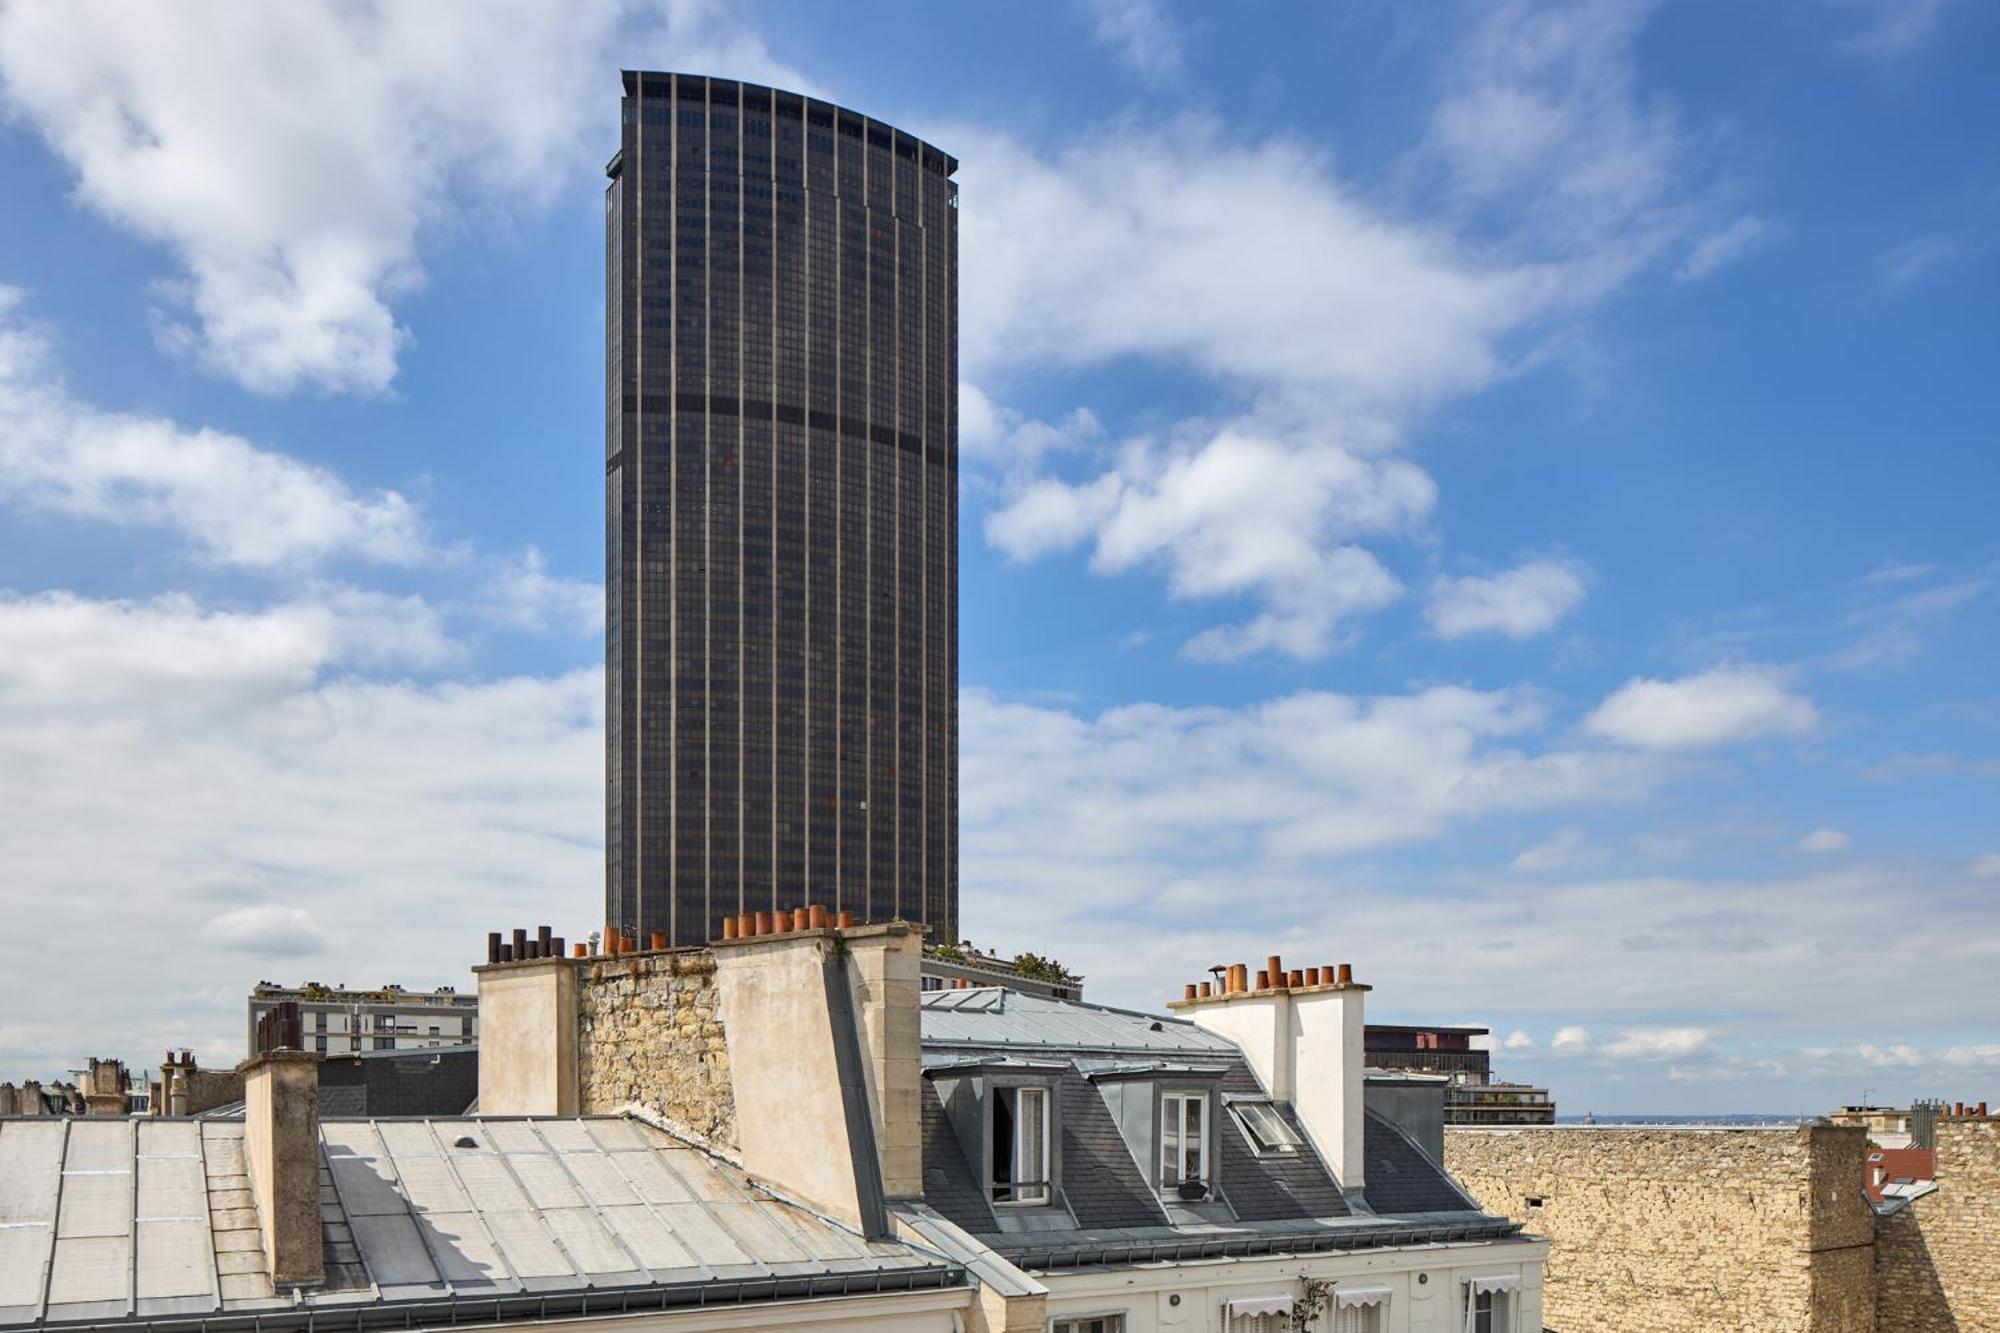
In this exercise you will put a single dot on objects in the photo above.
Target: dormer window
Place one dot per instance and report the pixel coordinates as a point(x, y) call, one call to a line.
point(1184, 1143)
point(1267, 1130)
point(1020, 1133)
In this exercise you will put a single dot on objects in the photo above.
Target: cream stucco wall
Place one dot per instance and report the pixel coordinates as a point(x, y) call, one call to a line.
point(528, 1030)
point(1427, 1287)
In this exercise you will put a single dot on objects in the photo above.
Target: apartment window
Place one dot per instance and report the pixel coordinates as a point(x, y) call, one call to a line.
point(1489, 1304)
point(1020, 1145)
point(1097, 1323)
point(1268, 1132)
point(1183, 1139)
point(1358, 1319)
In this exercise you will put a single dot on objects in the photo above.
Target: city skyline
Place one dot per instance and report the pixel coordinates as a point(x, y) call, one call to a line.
point(1498, 494)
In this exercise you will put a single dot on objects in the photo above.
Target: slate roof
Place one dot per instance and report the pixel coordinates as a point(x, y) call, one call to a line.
point(1401, 1177)
point(121, 1220)
point(1272, 1202)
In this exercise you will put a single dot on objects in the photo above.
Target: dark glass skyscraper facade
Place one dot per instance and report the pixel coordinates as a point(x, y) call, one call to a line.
point(781, 468)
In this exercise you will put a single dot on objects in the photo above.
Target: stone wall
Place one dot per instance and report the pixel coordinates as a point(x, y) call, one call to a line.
point(650, 1034)
point(1937, 1261)
point(1662, 1230)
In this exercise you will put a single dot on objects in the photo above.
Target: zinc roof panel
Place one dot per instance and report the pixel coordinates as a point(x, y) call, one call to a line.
point(758, 1234)
point(429, 1185)
point(548, 1185)
point(651, 1242)
point(649, 1174)
point(507, 1135)
point(566, 1135)
point(602, 1182)
point(172, 1187)
point(99, 1145)
point(409, 1138)
point(711, 1243)
point(624, 1136)
point(24, 1252)
point(91, 1269)
point(30, 1170)
point(591, 1247)
point(96, 1204)
point(394, 1250)
point(530, 1250)
point(367, 1186)
point(175, 1259)
point(489, 1183)
point(463, 1251)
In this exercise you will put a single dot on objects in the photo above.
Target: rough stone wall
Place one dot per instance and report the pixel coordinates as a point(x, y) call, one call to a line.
point(210, 1088)
point(1664, 1230)
point(1937, 1261)
point(650, 1033)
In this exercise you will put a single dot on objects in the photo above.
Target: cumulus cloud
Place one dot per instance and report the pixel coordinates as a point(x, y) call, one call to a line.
point(1519, 603)
point(293, 158)
point(1718, 707)
point(1822, 841)
point(235, 503)
point(1517, 1040)
point(1337, 319)
point(1570, 1039)
point(1655, 1044)
point(268, 931)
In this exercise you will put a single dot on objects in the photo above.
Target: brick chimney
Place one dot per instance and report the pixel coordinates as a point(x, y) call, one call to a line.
point(281, 1152)
point(1305, 1044)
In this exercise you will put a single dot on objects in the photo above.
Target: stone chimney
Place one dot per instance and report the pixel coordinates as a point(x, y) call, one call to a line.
point(1302, 1033)
point(281, 1151)
point(106, 1088)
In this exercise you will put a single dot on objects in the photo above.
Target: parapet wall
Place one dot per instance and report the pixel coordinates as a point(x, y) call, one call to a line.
point(1661, 1230)
point(650, 1033)
point(1937, 1262)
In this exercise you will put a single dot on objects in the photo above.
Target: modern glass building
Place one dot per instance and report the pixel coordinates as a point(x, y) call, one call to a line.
point(781, 468)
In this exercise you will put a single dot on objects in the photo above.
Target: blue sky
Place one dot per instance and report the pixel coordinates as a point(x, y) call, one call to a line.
point(1499, 494)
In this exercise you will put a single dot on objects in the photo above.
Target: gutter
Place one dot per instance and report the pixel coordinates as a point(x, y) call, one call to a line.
point(540, 1307)
point(1123, 1254)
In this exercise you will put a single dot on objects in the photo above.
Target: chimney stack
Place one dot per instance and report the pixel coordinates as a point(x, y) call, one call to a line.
point(1301, 1030)
point(281, 1152)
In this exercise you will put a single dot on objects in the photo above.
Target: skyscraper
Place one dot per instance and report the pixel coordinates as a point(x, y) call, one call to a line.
point(781, 512)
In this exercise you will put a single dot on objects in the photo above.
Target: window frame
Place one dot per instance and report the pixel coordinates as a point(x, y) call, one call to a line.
point(1240, 1110)
point(1045, 1093)
point(1177, 1145)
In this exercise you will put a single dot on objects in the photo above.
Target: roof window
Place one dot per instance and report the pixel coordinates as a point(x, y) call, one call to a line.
point(1267, 1130)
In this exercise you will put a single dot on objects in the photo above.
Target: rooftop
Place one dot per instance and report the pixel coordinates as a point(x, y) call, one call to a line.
point(132, 1221)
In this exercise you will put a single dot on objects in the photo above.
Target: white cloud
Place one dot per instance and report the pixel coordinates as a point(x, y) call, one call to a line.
point(991, 433)
point(293, 157)
point(1542, 122)
point(1902, 1055)
point(1518, 1040)
point(524, 594)
point(1822, 841)
point(1897, 631)
point(1571, 1039)
point(1519, 603)
point(267, 931)
point(1558, 852)
point(1241, 513)
point(1893, 28)
point(1718, 707)
point(1141, 34)
point(1656, 1044)
point(1335, 319)
point(235, 503)
point(1905, 264)
point(209, 788)
point(1719, 249)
